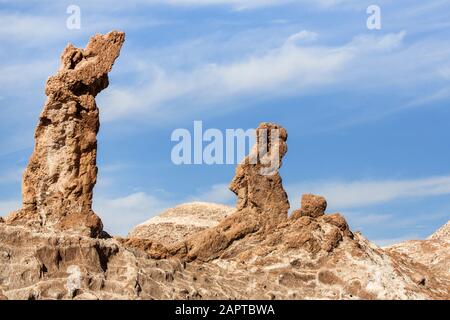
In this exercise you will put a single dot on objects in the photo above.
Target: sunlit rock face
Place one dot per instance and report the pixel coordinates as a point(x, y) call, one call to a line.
point(59, 179)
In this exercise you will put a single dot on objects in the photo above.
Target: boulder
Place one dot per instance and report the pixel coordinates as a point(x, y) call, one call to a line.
point(311, 206)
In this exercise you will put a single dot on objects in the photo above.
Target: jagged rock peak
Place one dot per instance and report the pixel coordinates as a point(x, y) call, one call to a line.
point(59, 179)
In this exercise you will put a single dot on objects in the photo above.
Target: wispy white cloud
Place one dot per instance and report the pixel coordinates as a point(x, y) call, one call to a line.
point(43, 28)
point(351, 194)
point(444, 71)
point(217, 193)
point(8, 206)
point(366, 195)
point(439, 95)
point(362, 219)
point(121, 214)
point(251, 4)
point(303, 36)
point(20, 27)
point(37, 71)
point(285, 70)
point(19, 142)
point(12, 175)
point(424, 8)
point(293, 68)
point(113, 167)
point(375, 44)
point(237, 5)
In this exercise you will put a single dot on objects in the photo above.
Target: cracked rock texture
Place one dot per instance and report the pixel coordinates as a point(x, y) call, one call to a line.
point(304, 258)
point(62, 172)
point(54, 247)
point(312, 206)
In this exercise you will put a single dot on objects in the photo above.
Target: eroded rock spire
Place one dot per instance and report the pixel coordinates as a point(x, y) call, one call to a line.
point(58, 182)
point(257, 183)
point(262, 202)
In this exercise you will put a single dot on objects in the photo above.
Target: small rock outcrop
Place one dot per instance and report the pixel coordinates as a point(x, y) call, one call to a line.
point(59, 179)
point(311, 206)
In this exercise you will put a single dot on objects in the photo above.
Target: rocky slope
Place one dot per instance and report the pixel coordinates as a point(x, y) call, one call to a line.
point(442, 234)
point(433, 252)
point(180, 222)
point(54, 248)
point(311, 258)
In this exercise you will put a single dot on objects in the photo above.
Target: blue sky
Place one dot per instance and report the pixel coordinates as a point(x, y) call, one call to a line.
point(367, 111)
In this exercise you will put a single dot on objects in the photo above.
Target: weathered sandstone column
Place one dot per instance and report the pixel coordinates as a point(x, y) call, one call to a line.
point(58, 182)
point(262, 201)
point(258, 188)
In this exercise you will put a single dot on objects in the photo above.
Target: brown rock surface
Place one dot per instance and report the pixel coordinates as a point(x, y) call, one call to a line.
point(311, 206)
point(294, 262)
point(61, 174)
point(259, 190)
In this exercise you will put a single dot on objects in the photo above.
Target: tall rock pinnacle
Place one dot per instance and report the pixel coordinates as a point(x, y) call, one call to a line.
point(58, 183)
point(262, 202)
point(257, 183)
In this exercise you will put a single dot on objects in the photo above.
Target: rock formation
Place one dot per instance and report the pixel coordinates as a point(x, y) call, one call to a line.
point(262, 202)
point(256, 252)
point(311, 206)
point(255, 190)
point(61, 174)
point(179, 223)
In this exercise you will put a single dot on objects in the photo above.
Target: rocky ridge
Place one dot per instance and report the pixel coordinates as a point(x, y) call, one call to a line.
point(433, 252)
point(442, 234)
